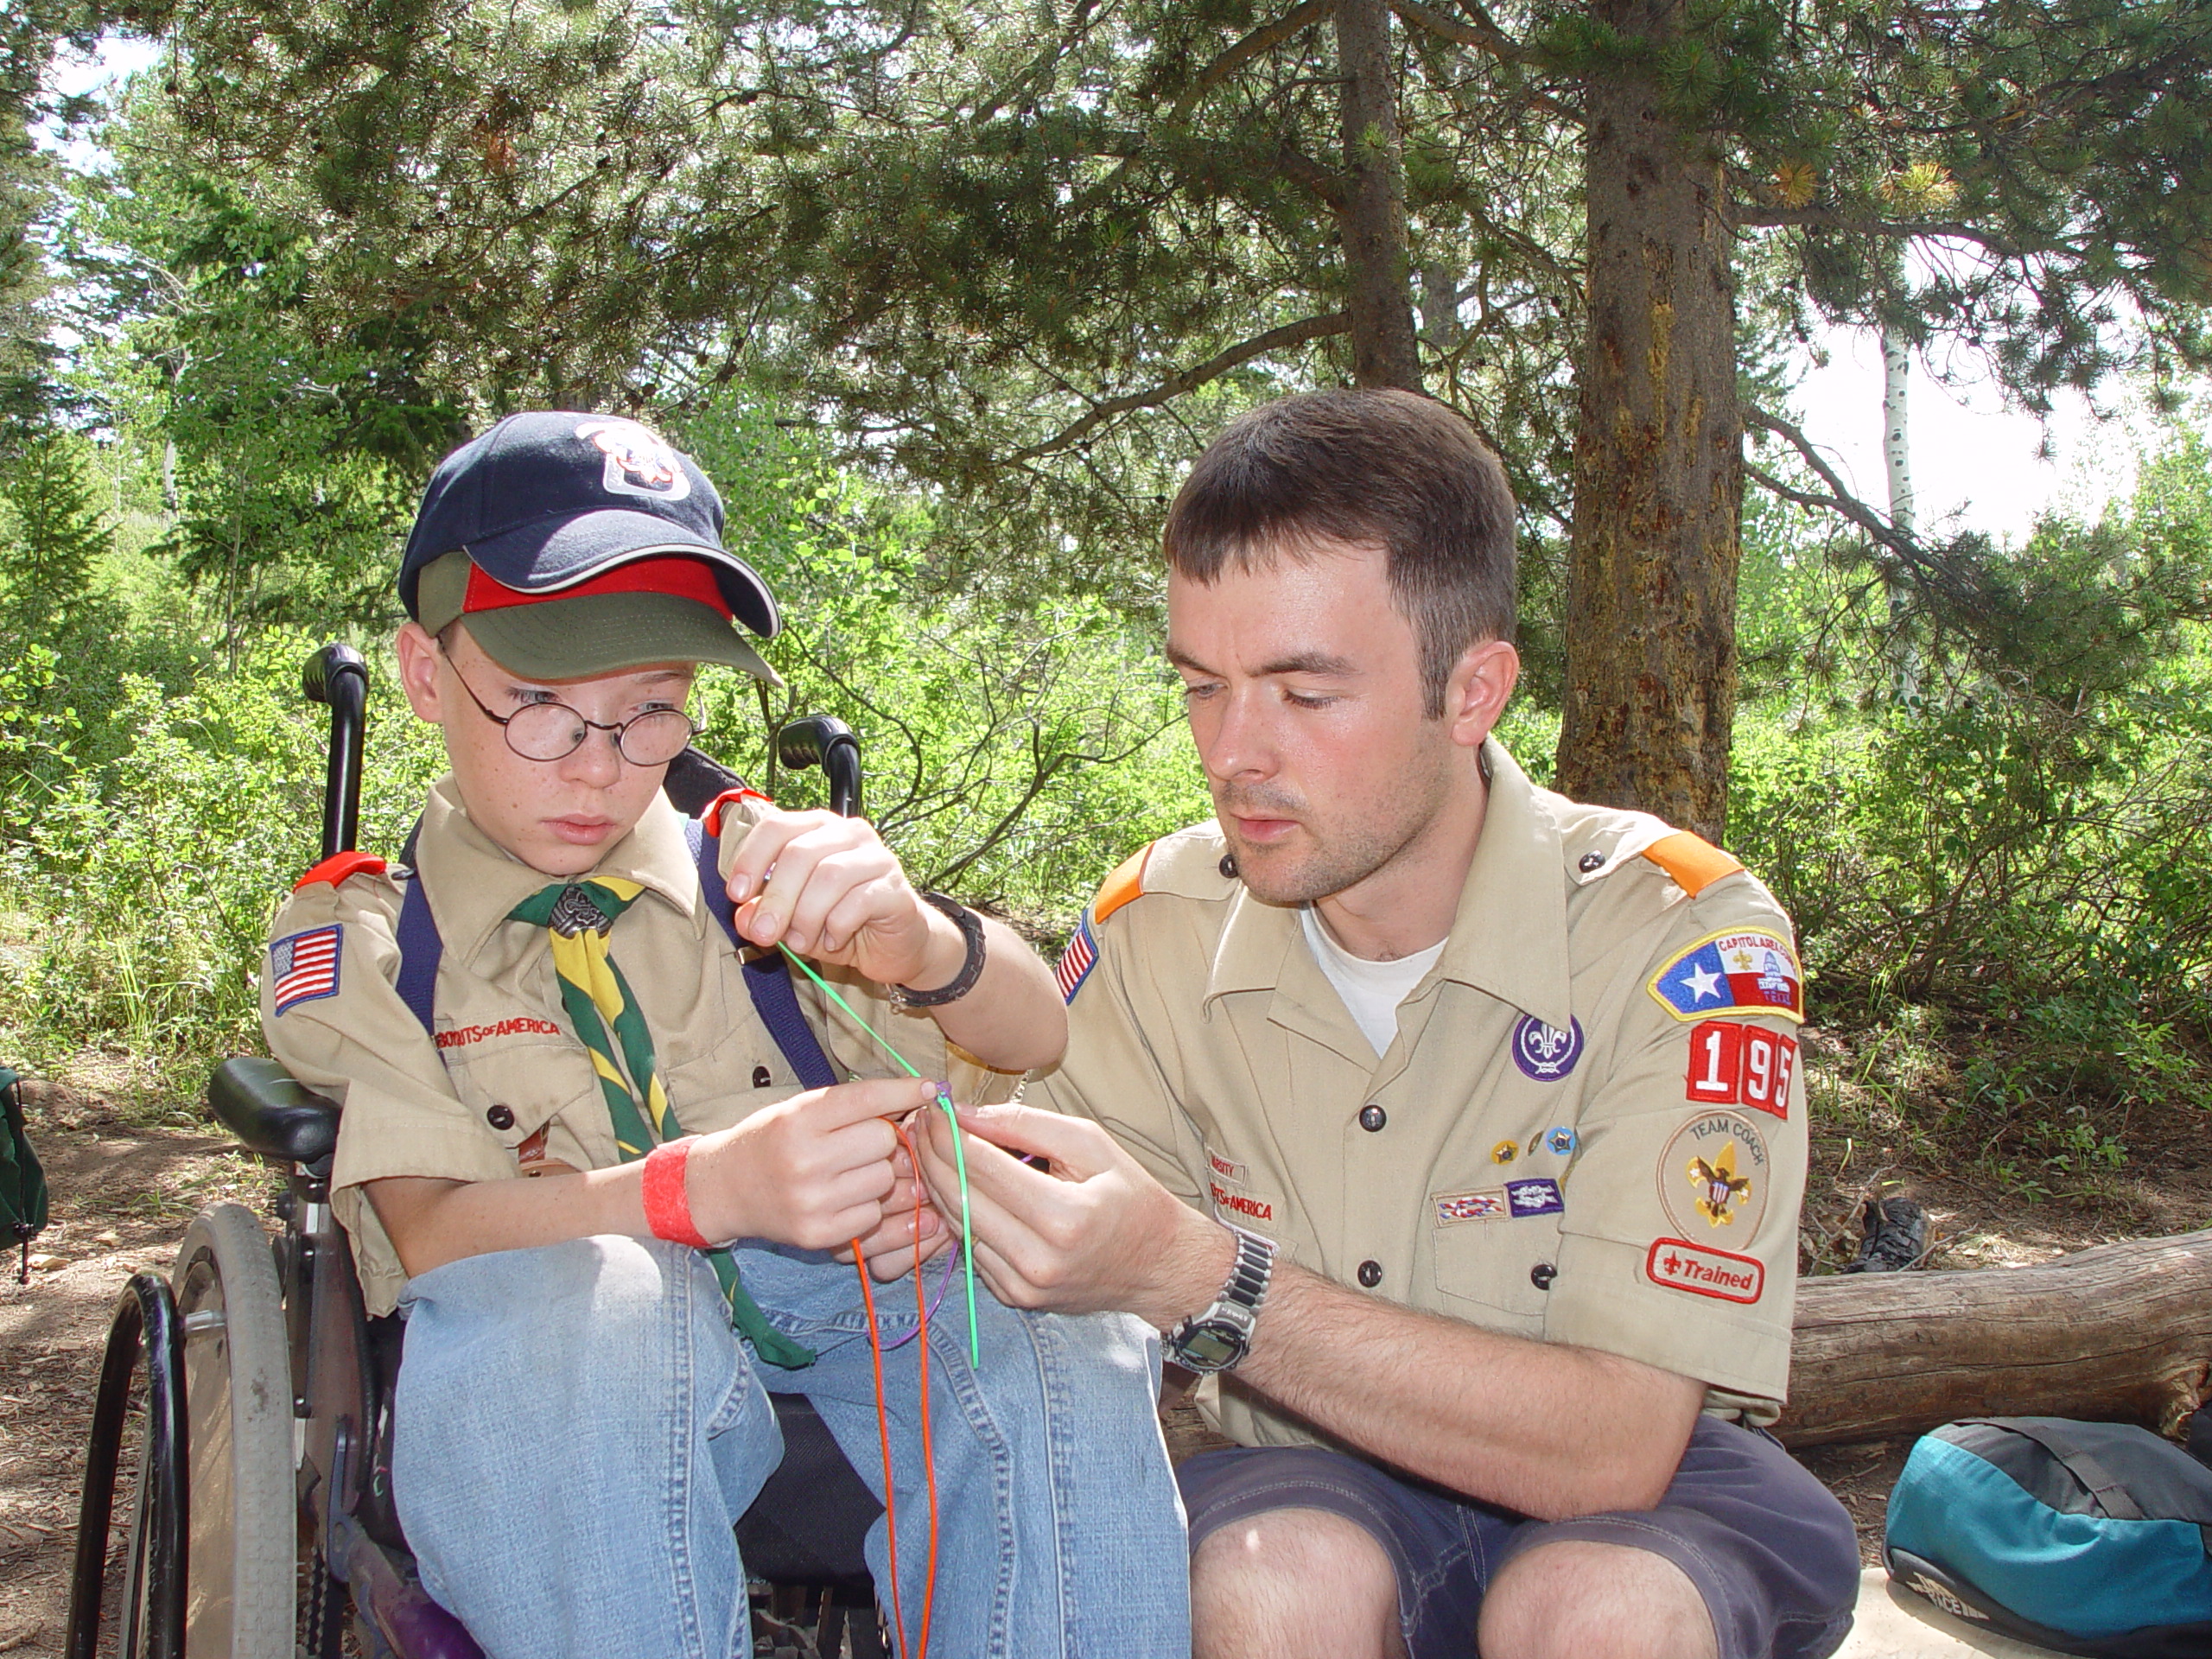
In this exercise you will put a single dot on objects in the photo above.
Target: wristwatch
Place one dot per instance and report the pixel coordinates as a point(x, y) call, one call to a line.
point(971, 967)
point(1218, 1338)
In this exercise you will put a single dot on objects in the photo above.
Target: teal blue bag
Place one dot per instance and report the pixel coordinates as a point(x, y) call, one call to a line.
point(2089, 1538)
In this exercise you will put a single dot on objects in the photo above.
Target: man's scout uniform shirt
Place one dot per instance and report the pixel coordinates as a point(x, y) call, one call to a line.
point(506, 1090)
point(1589, 1129)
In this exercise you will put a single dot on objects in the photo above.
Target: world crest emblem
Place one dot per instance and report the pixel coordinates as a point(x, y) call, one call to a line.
point(1545, 1052)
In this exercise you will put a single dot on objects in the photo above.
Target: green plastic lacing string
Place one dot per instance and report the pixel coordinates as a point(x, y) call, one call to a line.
point(959, 1147)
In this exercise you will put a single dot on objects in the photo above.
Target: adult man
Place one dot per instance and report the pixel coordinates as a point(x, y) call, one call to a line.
point(1500, 1090)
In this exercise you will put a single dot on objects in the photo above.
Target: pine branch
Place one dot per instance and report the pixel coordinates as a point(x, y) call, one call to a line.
point(1291, 333)
point(1482, 34)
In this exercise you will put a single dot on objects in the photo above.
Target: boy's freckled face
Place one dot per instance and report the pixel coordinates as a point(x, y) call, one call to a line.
point(558, 817)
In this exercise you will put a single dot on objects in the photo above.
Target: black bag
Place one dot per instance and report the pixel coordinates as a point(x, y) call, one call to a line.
point(22, 1183)
point(2090, 1538)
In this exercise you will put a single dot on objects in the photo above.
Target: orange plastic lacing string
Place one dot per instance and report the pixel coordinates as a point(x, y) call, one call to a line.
point(883, 1425)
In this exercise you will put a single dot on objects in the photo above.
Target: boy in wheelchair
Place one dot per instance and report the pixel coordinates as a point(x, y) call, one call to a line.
point(561, 1083)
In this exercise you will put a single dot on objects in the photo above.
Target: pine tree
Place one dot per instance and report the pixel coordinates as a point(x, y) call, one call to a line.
point(59, 536)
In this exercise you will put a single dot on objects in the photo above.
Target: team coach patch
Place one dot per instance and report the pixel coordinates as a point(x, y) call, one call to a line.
point(304, 966)
point(1736, 972)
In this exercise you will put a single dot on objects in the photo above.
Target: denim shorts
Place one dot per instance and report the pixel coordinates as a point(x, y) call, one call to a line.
point(1768, 1547)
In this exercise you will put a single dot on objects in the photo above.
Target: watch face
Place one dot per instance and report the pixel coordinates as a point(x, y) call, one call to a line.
point(1210, 1346)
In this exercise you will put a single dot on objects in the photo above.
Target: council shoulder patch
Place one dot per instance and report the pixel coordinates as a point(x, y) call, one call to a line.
point(304, 966)
point(1076, 960)
point(1703, 1271)
point(1739, 971)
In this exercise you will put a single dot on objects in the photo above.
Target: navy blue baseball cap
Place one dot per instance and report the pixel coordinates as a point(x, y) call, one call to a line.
point(554, 508)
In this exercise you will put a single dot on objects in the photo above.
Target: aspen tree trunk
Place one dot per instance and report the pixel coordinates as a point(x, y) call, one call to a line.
point(1897, 457)
point(1375, 244)
point(1658, 461)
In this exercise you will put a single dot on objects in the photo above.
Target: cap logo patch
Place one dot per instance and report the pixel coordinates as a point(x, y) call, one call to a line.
point(639, 460)
point(1487, 1204)
point(1545, 1052)
point(1733, 972)
point(1713, 1175)
point(1703, 1271)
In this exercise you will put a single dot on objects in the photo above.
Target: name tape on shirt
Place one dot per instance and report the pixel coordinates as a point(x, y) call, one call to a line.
point(304, 966)
point(1078, 960)
point(1735, 1064)
point(1740, 972)
point(1703, 1271)
point(522, 1025)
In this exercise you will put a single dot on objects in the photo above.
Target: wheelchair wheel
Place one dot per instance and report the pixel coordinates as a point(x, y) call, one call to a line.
point(240, 1596)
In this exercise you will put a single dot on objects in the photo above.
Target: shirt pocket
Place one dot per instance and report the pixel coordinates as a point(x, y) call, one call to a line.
point(515, 1089)
point(1488, 1272)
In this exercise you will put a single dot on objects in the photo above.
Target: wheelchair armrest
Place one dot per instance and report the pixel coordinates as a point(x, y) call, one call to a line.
point(271, 1111)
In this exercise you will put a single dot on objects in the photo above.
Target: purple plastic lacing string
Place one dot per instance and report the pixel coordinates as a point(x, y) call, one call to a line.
point(944, 1283)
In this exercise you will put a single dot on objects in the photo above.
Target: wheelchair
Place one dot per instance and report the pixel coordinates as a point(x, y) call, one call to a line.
point(262, 1525)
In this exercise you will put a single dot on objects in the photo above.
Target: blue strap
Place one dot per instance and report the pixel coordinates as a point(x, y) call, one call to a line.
point(767, 980)
point(420, 950)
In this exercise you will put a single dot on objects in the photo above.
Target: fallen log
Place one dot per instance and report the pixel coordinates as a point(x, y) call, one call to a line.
point(2121, 1333)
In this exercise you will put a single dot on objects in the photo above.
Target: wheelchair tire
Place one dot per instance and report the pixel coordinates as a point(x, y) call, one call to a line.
point(241, 1598)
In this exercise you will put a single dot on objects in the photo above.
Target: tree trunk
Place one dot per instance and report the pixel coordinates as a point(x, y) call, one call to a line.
point(2120, 1333)
point(1376, 254)
point(1897, 457)
point(1658, 461)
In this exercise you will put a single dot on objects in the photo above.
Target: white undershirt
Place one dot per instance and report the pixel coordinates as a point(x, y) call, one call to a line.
point(1372, 990)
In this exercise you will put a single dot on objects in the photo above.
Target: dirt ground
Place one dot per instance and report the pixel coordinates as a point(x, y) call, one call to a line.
point(124, 1193)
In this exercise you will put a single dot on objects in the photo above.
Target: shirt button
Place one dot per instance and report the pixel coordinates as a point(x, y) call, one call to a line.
point(1373, 1118)
point(1370, 1273)
point(1541, 1275)
point(500, 1117)
point(761, 1079)
point(1229, 866)
point(1590, 862)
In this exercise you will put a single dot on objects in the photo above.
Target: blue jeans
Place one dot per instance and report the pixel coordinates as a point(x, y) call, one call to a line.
point(579, 1430)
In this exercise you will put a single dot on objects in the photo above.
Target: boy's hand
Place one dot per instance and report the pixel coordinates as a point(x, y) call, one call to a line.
point(889, 1250)
point(814, 1171)
point(828, 887)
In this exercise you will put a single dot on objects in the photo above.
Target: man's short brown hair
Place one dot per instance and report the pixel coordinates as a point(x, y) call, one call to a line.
point(1385, 469)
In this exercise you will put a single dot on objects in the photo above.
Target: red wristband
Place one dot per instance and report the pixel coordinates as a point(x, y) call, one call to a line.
point(668, 1204)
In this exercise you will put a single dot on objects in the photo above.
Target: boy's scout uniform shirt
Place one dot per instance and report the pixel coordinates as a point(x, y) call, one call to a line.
point(506, 1090)
point(1590, 1128)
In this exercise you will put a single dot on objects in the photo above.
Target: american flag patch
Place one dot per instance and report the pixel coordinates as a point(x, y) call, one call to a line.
point(305, 966)
point(1078, 960)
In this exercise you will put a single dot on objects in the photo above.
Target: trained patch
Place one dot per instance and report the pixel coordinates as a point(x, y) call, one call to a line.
point(1703, 1271)
point(1713, 1175)
point(1545, 1052)
point(1504, 1152)
point(305, 966)
point(1735, 1064)
point(1537, 1197)
point(1735, 972)
point(1487, 1204)
point(1078, 960)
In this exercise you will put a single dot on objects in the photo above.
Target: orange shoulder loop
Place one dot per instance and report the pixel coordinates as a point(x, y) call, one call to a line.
point(1126, 883)
point(339, 867)
point(1694, 862)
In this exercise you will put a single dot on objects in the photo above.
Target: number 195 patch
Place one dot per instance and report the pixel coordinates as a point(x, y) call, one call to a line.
point(1735, 1064)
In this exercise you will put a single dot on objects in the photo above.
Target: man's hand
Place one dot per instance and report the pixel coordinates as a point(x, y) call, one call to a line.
point(828, 887)
point(814, 1171)
point(1094, 1232)
point(890, 1250)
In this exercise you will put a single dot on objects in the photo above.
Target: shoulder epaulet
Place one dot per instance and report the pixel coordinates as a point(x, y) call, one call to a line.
point(712, 818)
point(1127, 882)
point(340, 867)
point(1693, 862)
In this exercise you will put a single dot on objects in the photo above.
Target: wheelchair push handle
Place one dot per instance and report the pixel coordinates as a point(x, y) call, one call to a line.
point(826, 741)
point(338, 677)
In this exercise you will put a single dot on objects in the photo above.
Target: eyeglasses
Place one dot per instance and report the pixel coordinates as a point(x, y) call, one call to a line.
point(553, 731)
